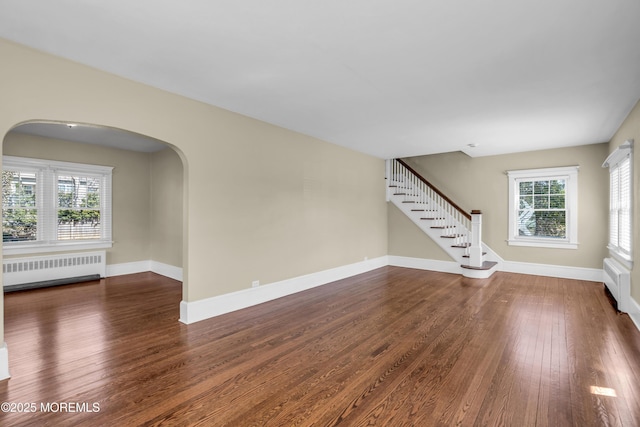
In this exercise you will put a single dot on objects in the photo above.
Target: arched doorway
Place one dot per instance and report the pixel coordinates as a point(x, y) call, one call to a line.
point(147, 188)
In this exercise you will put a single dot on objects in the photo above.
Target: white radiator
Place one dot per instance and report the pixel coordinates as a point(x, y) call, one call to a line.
point(618, 281)
point(17, 271)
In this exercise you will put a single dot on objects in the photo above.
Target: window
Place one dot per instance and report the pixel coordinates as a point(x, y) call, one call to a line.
point(50, 206)
point(620, 201)
point(543, 207)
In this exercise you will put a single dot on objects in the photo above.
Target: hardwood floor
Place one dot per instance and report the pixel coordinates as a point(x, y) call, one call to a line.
point(390, 347)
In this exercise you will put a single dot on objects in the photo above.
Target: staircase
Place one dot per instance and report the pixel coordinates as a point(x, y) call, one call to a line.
point(457, 232)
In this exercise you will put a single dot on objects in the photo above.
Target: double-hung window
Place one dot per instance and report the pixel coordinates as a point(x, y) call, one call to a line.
point(53, 206)
point(543, 207)
point(620, 201)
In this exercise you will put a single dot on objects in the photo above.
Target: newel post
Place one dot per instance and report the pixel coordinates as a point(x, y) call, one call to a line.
point(475, 250)
point(387, 166)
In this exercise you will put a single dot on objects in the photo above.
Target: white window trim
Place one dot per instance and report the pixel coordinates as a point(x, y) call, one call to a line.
point(568, 173)
point(47, 170)
point(621, 153)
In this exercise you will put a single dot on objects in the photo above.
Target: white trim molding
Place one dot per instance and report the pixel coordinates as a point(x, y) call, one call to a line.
point(569, 174)
point(424, 264)
point(166, 270)
point(621, 201)
point(619, 153)
point(634, 312)
point(128, 268)
point(195, 311)
point(4, 362)
point(559, 271)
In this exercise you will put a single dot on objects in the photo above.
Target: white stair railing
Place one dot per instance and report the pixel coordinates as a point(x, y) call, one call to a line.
point(456, 224)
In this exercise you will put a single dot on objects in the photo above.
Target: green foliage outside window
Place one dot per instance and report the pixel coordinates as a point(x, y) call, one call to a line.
point(542, 211)
point(19, 216)
point(80, 219)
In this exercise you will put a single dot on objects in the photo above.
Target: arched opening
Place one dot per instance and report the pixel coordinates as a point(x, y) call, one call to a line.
point(147, 209)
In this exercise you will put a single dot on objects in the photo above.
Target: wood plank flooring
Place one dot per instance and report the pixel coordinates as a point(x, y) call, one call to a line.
point(392, 347)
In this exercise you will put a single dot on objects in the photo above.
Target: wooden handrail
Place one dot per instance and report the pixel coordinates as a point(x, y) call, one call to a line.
point(435, 190)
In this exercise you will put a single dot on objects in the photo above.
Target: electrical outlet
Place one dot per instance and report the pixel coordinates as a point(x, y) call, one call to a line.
point(255, 283)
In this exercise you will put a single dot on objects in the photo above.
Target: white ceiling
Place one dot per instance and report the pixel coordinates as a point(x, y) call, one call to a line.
point(388, 78)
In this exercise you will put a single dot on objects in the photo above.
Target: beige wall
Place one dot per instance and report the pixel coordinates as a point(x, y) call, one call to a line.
point(131, 186)
point(481, 183)
point(630, 129)
point(166, 207)
point(407, 240)
point(261, 203)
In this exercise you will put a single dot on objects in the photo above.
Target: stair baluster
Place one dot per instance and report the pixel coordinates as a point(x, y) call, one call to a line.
point(428, 205)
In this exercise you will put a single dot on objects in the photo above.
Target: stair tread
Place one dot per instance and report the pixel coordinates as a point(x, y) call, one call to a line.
point(486, 265)
point(431, 219)
point(451, 236)
point(442, 227)
point(463, 245)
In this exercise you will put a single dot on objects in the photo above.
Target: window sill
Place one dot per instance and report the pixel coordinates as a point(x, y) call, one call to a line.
point(623, 259)
point(542, 244)
point(53, 247)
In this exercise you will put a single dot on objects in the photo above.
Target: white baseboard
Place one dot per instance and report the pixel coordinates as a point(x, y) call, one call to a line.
point(565, 272)
point(143, 266)
point(4, 362)
point(196, 311)
point(425, 264)
point(634, 312)
point(167, 270)
point(128, 268)
point(578, 273)
point(560, 271)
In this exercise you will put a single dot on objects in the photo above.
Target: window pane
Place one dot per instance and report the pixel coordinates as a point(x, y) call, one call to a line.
point(78, 192)
point(624, 239)
point(526, 223)
point(556, 202)
point(80, 195)
point(19, 218)
point(558, 186)
point(526, 188)
point(550, 224)
point(541, 187)
point(619, 207)
point(18, 189)
point(541, 202)
point(19, 224)
point(526, 202)
point(78, 224)
point(542, 224)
